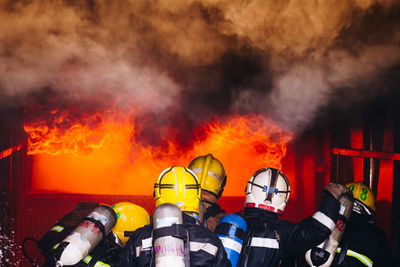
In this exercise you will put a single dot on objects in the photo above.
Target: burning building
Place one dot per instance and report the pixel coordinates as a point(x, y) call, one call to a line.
point(98, 98)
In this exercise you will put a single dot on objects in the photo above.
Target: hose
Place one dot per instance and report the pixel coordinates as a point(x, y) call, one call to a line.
point(25, 254)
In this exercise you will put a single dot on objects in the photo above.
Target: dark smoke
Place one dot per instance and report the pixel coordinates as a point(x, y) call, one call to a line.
point(180, 63)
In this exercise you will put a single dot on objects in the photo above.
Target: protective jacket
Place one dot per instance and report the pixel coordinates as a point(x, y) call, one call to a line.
point(271, 239)
point(205, 247)
point(363, 244)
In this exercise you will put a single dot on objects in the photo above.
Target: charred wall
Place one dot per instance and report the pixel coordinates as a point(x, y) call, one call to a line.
point(11, 164)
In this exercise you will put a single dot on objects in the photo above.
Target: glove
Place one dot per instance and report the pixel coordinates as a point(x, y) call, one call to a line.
point(336, 189)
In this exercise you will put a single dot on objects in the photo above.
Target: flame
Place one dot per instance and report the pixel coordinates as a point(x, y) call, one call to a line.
point(102, 155)
point(63, 134)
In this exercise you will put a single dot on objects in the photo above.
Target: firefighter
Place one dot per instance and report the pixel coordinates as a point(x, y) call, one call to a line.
point(179, 186)
point(270, 239)
point(63, 227)
point(106, 253)
point(363, 243)
point(212, 179)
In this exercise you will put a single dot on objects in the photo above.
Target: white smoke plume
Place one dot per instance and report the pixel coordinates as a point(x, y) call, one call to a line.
point(287, 59)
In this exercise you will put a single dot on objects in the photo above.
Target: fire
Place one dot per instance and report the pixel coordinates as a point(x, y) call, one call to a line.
point(102, 155)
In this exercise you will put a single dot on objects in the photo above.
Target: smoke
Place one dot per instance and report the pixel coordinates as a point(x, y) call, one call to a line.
point(197, 59)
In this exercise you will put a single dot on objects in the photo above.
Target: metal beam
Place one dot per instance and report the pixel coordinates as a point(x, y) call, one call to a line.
point(7, 152)
point(366, 153)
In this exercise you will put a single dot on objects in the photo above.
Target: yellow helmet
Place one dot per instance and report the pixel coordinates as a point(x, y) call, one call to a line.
point(179, 186)
point(363, 194)
point(129, 218)
point(211, 174)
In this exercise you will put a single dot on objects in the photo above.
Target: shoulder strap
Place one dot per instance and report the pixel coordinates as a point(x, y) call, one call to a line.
point(187, 249)
point(244, 257)
point(344, 248)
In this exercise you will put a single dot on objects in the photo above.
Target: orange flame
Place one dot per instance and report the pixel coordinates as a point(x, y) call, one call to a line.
point(62, 134)
point(99, 155)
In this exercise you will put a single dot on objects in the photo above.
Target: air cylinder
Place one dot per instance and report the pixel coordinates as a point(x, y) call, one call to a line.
point(168, 250)
point(324, 253)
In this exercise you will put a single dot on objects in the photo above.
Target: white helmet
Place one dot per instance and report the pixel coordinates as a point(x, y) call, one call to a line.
point(268, 189)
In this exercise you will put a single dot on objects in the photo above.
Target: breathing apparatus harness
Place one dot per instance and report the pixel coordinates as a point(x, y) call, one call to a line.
point(223, 228)
point(260, 221)
point(249, 237)
point(177, 231)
